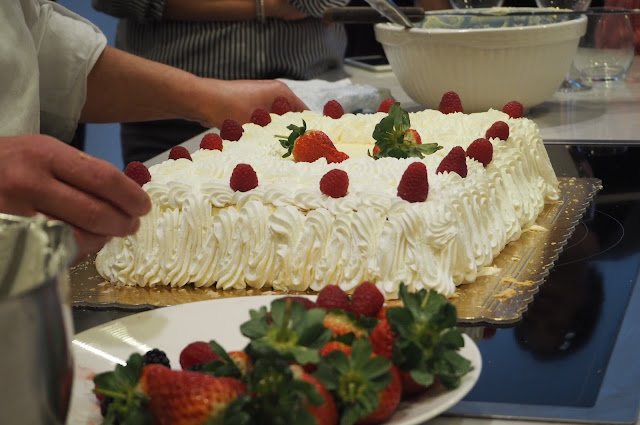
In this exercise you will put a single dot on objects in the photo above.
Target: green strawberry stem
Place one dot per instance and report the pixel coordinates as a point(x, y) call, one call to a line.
point(389, 134)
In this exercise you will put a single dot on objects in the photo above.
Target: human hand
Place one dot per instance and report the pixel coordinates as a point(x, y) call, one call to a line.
point(39, 174)
point(282, 9)
point(218, 100)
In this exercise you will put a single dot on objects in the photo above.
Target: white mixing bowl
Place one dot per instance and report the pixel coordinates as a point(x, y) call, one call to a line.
point(488, 61)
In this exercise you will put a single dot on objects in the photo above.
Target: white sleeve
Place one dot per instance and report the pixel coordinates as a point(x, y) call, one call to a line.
point(67, 46)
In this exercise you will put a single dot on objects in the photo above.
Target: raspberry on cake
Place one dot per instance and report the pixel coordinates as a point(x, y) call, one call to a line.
point(428, 229)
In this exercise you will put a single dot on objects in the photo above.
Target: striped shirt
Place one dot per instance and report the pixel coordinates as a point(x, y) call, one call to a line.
point(227, 50)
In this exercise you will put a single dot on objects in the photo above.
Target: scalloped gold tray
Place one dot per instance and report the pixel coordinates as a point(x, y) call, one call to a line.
point(500, 297)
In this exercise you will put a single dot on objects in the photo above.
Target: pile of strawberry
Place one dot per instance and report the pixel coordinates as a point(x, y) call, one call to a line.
point(341, 359)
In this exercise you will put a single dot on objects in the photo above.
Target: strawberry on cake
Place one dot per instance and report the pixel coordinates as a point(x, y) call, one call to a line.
point(303, 200)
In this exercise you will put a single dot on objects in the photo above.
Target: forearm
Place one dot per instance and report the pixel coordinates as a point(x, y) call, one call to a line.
point(203, 10)
point(123, 87)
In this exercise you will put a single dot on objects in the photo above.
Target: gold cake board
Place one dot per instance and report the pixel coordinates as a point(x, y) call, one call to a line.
point(500, 297)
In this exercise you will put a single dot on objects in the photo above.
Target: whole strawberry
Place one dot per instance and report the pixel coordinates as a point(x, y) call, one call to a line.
point(450, 103)
point(310, 145)
point(332, 296)
point(498, 130)
point(260, 117)
point(138, 172)
point(385, 105)
point(327, 412)
point(366, 300)
point(335, 183)
point(243, 178)
point(514, 109)
point(196, 353)
point(382, 339)
point(454, 162)
point(333, 346)
point(306, 302)
point(414, 185)
point(333, 109)
point(231, 130)
point(388, 401)
point(179, 152)
point(364, 385)
point(281, 105)
point(481, 150)
point(211, 141)
point(179, 397)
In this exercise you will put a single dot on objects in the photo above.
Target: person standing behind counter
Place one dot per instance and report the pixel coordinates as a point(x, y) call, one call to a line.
point(56, 70)
point(226, 39)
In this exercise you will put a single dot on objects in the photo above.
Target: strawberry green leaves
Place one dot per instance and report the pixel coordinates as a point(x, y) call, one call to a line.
point(427, 340)
point(356, 380)
point(121, 386)
point(390, 132)
point(289, 142)
point(289, 331)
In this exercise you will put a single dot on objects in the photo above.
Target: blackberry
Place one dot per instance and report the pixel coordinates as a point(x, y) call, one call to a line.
point(104, 405)
point(156, 356)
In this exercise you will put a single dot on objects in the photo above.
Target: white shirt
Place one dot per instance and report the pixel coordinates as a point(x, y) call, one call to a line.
point(46, 53)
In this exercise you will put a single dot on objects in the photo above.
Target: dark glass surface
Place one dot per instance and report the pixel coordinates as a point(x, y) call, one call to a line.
point(559, 353)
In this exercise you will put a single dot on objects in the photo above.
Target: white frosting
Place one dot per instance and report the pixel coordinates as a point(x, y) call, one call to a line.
point(287, 235)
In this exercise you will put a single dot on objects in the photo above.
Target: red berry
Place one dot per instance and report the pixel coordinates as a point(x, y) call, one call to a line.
point(178, 152)
point(261, 117)
point(385, 105)
point(231, 130)
point(498, 130)
point(211, 141)
point(306, 302)
point(138, 172)
point(281, 105)
point(333, 109)
point(454, 162)
point(335, 183)
point(366, 300)
point(197, 353)
point(413, 136)
point(514, 109)
point(243, 178)
point(332, 296)
point(332, 346)
point(481, 150)
point(414, 185)
point(376, 150)
point(382, 339)
point(450, 103)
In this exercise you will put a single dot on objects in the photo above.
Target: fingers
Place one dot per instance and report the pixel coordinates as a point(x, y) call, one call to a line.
point(101, 180)
point(87, 243)
point(85, 211)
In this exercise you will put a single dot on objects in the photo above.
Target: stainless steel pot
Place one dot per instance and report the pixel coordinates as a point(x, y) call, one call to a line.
point(36, 367)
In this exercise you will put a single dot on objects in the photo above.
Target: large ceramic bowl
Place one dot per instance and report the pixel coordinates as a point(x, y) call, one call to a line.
point(488, 61)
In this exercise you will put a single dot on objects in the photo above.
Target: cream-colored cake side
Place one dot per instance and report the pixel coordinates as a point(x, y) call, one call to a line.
point(288, 235)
